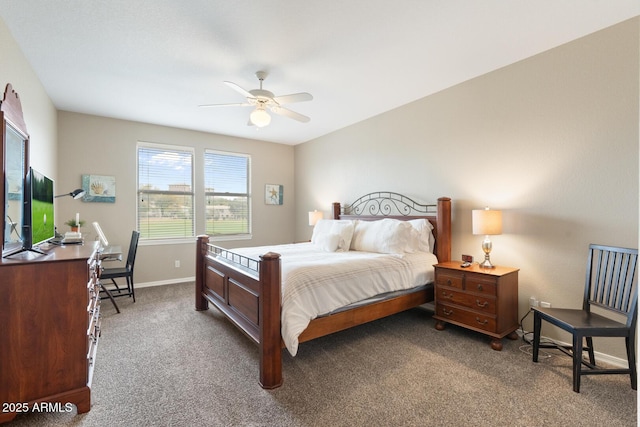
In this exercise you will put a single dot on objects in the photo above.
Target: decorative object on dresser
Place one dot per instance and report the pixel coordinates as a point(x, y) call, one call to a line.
point(481, 299)
point(487, 222)
point(50, 317)
point(248, 291)
point(75, 224)
point(611, 286)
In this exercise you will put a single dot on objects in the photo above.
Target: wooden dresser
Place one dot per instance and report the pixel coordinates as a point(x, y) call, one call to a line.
point(49, 329)
point(482, 299)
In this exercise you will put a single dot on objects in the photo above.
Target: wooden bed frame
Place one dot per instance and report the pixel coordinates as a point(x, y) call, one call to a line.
point(248, 294)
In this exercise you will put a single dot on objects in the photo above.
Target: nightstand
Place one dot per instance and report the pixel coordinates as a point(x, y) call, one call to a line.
point(484, 300)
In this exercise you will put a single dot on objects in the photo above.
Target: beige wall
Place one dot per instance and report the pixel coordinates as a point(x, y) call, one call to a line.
point(551, 140)
point(39, 112)
point(103, 146)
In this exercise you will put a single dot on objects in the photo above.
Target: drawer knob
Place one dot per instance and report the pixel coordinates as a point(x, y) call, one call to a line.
point(447, 312)
point(482, 303)
point(481, 322)
point(449, 282)
point(480, 287)
point(446, 295)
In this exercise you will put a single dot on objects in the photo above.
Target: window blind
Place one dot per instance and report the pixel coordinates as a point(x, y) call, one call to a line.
point(165, 191)
point(227, 193)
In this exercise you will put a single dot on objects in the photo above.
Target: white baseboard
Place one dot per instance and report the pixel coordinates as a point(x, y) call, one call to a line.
point(165, 282)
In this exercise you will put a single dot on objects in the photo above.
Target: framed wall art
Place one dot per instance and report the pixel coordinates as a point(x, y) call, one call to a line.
point(273, 194)
point(99, 188)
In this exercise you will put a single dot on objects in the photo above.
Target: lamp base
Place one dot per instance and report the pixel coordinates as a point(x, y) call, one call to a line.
point(486, 263)
point(486, 248)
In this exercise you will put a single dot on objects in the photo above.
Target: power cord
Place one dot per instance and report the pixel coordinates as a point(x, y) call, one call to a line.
point(528, 346)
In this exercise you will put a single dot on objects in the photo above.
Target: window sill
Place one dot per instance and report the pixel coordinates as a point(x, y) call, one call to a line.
point(230, 238)
point(158, 242)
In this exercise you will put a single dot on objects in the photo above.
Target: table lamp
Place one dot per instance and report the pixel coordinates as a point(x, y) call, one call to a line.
point(314, 217)
point(487, 222)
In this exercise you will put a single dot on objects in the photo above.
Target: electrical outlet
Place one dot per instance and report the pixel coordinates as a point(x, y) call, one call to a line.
point(533, 302)
point(177, 263)
point(545, 304)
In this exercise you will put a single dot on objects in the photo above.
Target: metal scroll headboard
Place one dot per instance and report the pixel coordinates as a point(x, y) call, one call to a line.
point(387, 203)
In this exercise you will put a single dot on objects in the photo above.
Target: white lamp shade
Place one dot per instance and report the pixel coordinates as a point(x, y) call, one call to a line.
point(314, 217)
point(487, 221)
point(260, 117)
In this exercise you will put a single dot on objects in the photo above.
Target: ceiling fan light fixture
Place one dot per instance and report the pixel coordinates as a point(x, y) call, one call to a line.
point(260, 117)
point(264, 100)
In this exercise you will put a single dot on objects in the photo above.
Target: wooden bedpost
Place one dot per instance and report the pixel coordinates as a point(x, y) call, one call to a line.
point(269, 322)
point(201, 253)
point(443, 231)
point(336, 210)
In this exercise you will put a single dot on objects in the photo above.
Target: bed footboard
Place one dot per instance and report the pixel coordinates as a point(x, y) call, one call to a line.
point(249, 298)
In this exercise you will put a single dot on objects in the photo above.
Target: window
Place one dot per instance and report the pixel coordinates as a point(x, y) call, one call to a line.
point(165, 191)
point(227, 193)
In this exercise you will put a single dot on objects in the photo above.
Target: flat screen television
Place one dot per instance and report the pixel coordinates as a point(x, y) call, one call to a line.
point(38, 210)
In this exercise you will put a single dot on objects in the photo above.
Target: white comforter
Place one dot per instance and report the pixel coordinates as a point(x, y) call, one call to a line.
point(315, 282)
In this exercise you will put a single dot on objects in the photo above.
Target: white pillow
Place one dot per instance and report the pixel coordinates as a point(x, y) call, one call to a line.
point(327, 231)
point(321, 229)
point(387, 236)
point(424, 240)
point(327, 242)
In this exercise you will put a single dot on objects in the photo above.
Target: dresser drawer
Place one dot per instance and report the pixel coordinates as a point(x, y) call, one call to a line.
point(469, 318)
point(94, 301)
point(93, 313)
point(93, 339)
point(480, 283)
point(452, 280)
point(484, 303)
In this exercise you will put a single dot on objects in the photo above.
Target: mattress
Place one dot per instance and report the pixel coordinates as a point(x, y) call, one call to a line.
point(315, 282)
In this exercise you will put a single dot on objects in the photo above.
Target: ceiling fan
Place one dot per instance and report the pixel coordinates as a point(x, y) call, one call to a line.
point(264, 100)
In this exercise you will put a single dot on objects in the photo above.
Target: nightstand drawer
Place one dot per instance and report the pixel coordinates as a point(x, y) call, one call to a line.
point(477, 302)
point(451, 280)
point(481, 284)
point(466, 317)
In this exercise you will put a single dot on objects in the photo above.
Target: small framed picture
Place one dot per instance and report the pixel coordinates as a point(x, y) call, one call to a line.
point(99, 188)
point(273, 194)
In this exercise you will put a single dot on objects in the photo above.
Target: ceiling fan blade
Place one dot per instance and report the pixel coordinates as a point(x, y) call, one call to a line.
point(291, 114)
point(294, 97)
point(237, 104)
point(238, 89)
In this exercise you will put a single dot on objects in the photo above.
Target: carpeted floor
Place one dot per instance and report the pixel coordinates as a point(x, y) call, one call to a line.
point(161, 363)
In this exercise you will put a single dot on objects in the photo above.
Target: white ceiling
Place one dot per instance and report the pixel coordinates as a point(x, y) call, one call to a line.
point(155, 61)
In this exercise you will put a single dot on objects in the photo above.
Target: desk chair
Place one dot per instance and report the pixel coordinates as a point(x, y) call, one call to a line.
point(110, 295)
point(610, 287)
point(126, 272)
